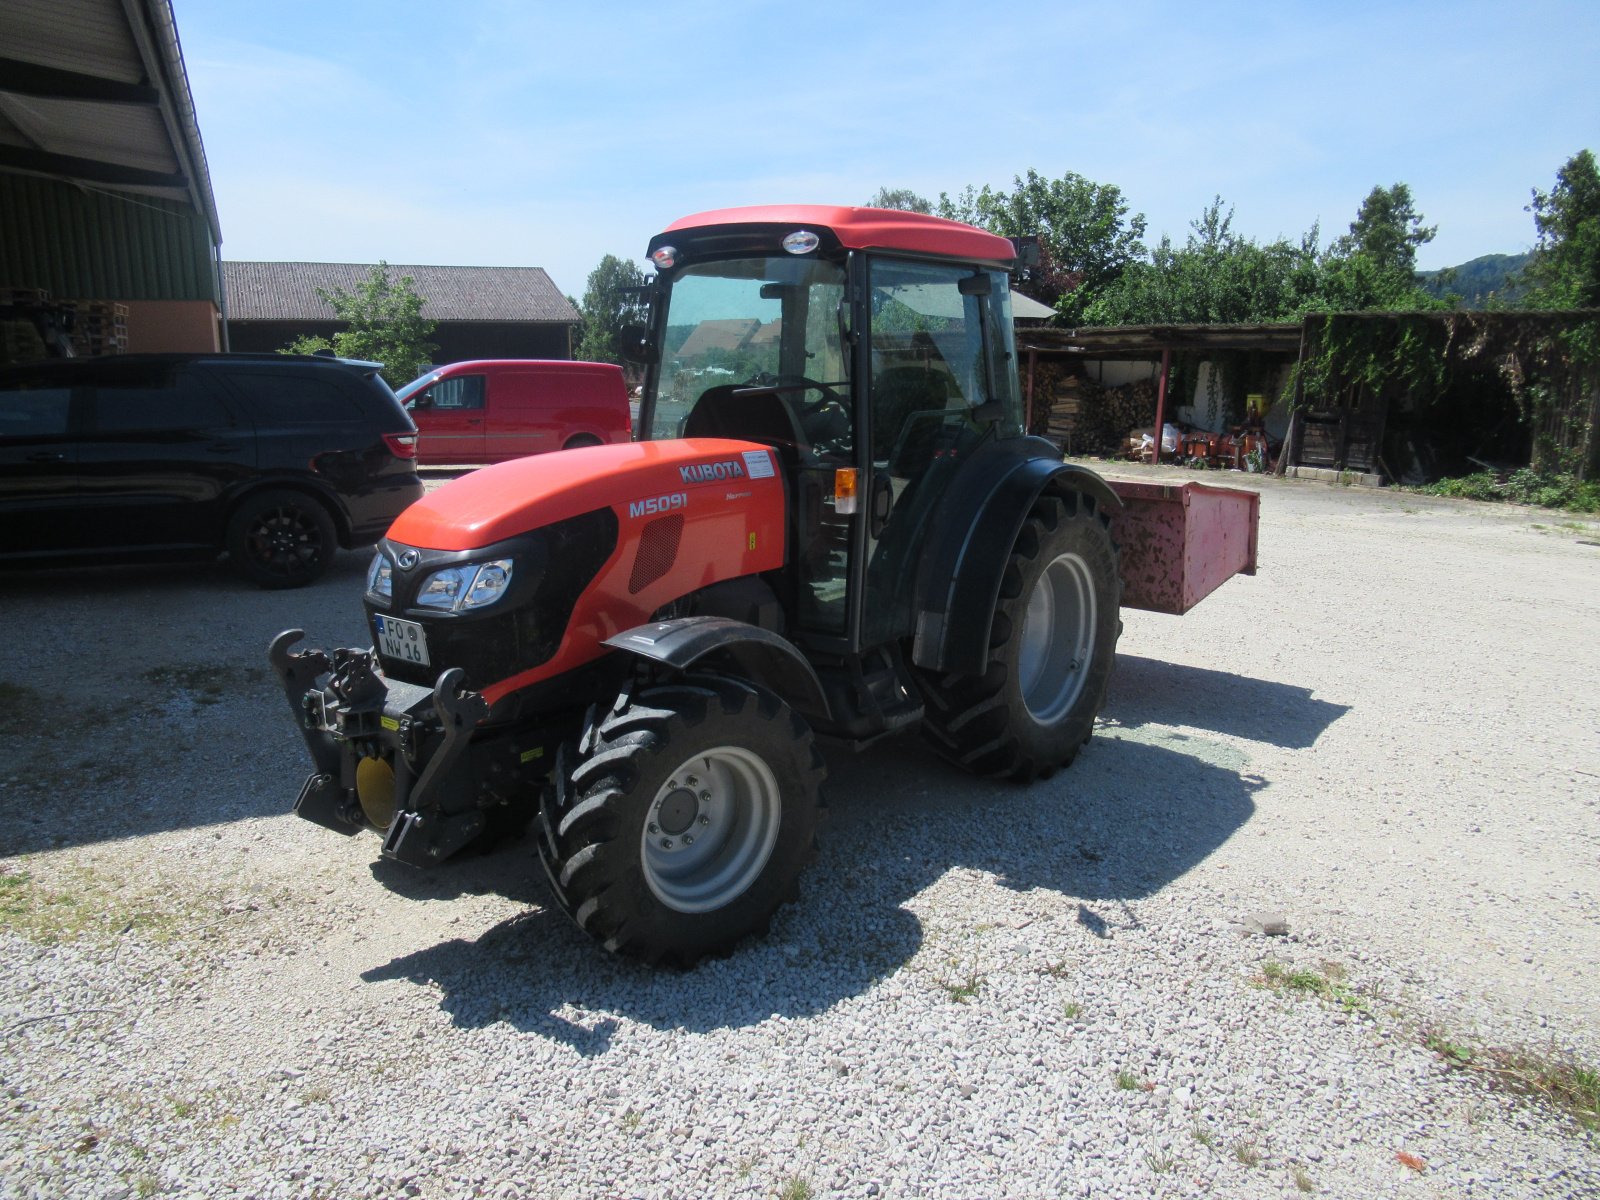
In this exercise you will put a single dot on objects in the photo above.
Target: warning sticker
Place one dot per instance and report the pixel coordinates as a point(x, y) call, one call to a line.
point(758, 463)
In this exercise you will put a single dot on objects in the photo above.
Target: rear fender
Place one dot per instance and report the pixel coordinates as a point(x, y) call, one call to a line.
point(748, 651)
point(970, 543)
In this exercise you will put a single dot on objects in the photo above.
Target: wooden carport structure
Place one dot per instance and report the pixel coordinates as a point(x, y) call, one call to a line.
point(1150, 342)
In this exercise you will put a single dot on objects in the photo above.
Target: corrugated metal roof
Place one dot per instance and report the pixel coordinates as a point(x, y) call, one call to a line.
point(95, 92)
point(287, 291)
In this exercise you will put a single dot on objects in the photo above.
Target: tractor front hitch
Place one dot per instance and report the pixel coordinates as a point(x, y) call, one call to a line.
point(387, 755)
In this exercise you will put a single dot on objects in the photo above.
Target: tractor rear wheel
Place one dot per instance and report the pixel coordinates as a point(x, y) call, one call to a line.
point(1051, 649)
point(682, 818)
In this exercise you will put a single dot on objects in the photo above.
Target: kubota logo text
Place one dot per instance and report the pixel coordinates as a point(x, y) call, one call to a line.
point(652, 505)
point(730, 468)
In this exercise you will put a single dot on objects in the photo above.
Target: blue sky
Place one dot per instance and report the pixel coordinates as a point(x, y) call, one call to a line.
point(542, 134)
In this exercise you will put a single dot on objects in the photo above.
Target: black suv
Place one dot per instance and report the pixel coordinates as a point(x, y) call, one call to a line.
point(275, 459)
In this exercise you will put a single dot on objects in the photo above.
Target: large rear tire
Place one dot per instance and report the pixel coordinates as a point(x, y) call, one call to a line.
point(1051, 649)
point(682, 818)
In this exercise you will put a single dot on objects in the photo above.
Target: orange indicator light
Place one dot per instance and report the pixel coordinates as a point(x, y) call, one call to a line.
point(844, 490)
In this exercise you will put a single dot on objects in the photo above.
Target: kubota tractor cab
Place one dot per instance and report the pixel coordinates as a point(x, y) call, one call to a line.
point(833, 524)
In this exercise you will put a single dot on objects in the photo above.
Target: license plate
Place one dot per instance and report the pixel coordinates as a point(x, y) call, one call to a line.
point(405, 640)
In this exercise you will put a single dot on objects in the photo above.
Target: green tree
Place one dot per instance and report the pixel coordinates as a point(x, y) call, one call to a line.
point(1221, 277)
point(1216, 277)
point(1565, 272)
point(1086, 234)
point(384, 324)
point(902, 199)
point(1388, 229)
point(611, 301)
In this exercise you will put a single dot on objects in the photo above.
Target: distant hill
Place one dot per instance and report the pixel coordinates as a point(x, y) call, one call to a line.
point(1493, 275)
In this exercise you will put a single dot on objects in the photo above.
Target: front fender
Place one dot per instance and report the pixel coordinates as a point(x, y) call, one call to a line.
point(749, 651)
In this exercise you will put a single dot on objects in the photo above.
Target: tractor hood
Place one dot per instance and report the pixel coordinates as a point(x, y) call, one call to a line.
point(692, 477)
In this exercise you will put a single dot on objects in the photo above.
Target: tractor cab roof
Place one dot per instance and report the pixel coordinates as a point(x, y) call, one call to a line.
point(733, 229)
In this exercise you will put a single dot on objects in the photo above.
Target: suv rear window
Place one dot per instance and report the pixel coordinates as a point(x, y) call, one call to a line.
point(154, 398)
point(282, 399)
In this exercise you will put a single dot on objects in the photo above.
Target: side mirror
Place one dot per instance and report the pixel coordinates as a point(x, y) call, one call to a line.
point(423, 401)
point(634, 344)
point(1028, 250)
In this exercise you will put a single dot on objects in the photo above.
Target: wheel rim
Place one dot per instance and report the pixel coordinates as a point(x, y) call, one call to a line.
point(1057, 639)
point(285, 541)
point(711, 829)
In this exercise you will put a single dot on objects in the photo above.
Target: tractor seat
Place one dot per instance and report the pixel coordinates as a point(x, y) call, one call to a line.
point(758, 417)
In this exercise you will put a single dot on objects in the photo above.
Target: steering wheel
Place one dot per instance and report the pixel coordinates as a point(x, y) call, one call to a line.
point(799, 383)
point(825, 422)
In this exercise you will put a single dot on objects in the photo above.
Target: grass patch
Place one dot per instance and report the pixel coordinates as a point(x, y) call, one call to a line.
point(1072, 1010)
point(796, 1187)
point(1327, 982)
point(1555, 1079)
point(963, 987)
point(1161, 1162)
point(1303, 1182)
point(1563, 1084)
point(1127, 1081)
point(79, 904)
point(1246, 1153)
point(1201, 1132)
point(1565, 492)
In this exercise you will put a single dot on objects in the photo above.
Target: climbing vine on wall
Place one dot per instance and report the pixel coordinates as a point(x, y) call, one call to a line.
point(1549, 362)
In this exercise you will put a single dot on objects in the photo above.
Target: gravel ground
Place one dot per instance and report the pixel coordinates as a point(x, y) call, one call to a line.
point(1391, 735)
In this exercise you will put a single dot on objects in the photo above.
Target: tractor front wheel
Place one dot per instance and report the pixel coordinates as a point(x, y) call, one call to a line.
point(682, 819)
point(1051, 649)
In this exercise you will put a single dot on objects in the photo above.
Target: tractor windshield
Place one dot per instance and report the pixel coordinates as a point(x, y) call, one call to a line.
point(753, 321)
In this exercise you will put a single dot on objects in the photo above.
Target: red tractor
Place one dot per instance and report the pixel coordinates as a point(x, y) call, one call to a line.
point(833, 525)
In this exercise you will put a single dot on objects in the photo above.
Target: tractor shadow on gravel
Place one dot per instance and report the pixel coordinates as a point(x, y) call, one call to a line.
point(1126, 820)
point(1148, 691)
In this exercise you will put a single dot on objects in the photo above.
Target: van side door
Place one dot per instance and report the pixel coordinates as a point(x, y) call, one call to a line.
point(451, 419)
point(522, 417)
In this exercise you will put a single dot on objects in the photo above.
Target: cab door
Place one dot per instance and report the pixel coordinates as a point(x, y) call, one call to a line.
point(940, 380)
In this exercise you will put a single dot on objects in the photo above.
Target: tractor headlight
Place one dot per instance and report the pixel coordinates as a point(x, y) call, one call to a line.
point(470, 586)
point(380, 578)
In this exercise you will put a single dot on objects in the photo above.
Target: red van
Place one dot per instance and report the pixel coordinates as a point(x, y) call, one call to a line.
point(490, 410)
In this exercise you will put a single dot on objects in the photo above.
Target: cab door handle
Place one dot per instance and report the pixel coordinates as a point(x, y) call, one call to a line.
point(47, 456)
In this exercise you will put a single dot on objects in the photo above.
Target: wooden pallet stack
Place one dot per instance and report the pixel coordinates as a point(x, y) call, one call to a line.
point(19, 340)
point(99, 327)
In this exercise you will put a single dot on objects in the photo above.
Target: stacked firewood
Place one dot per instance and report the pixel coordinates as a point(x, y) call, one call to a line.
point(1056, 391)
point(1107, 415)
